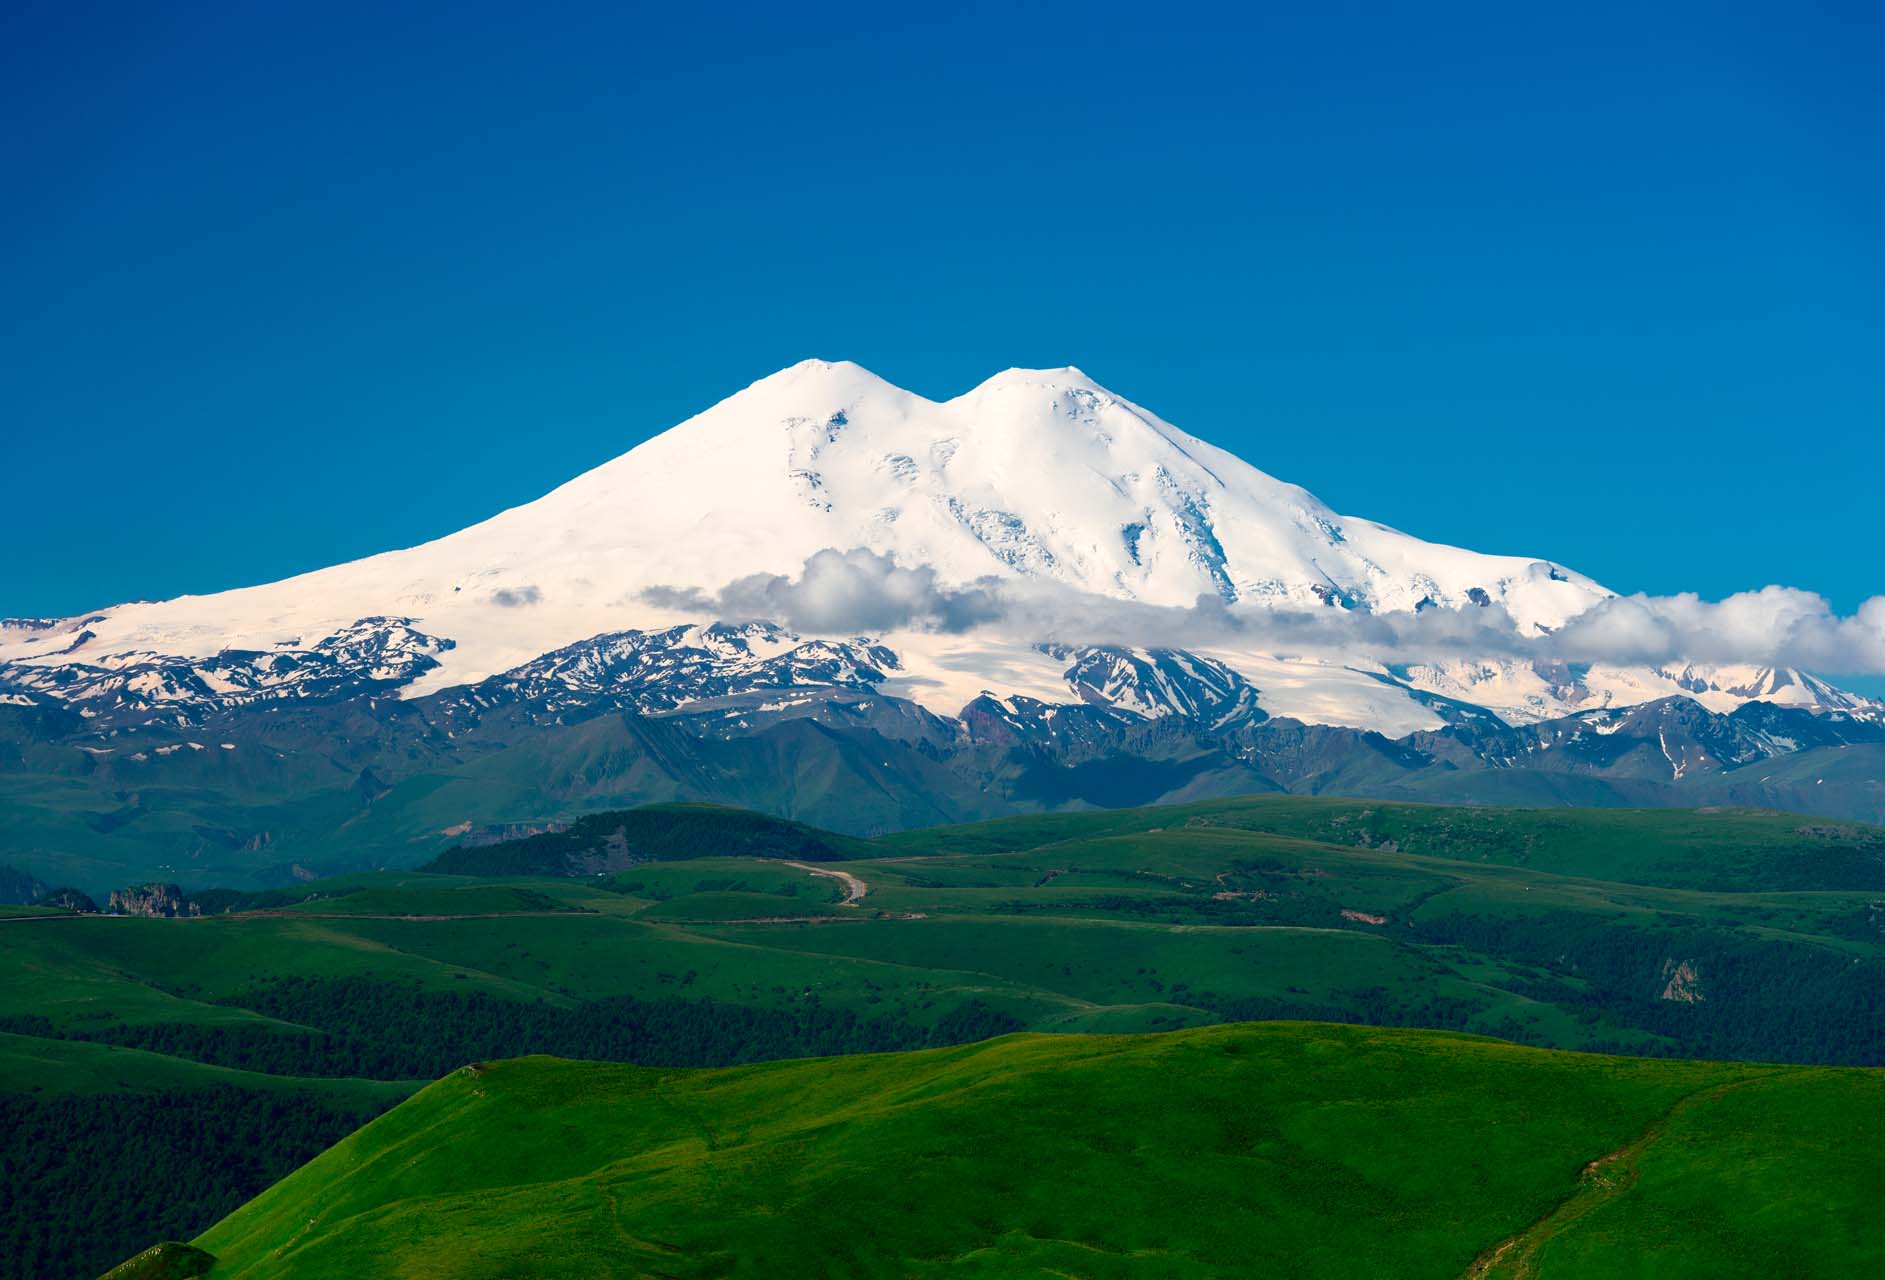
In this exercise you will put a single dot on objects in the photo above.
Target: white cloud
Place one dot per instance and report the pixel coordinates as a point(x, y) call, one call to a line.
point(1775, 626)
point(844, 592)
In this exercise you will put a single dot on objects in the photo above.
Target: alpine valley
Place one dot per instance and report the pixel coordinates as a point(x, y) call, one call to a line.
point(840, 602)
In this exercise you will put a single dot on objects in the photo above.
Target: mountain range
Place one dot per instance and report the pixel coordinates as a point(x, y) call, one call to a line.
point(837, 600)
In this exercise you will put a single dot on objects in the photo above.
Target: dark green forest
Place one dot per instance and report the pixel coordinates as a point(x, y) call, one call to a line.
point(87, 1181)
point(143, 1168)
point(379, 1030)
point(651, 833)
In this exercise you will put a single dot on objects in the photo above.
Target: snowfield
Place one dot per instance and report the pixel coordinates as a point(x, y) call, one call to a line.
point(1036, 477)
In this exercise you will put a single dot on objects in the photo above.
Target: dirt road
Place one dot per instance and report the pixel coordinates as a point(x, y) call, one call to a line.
point(854, 889)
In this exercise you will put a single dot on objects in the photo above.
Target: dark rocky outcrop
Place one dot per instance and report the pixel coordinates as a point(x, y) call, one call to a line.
point(171, 1260)
point(157, 901)
point(69, 899)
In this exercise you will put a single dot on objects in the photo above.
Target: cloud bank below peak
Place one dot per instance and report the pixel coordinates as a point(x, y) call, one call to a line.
point(862, 591)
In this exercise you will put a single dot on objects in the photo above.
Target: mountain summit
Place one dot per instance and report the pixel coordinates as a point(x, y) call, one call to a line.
point(1039, 476)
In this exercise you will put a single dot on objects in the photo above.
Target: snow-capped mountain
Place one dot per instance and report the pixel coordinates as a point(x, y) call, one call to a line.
point(1036, 477)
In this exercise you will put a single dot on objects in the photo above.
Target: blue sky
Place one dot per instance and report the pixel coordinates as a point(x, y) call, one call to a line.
point(290, 286)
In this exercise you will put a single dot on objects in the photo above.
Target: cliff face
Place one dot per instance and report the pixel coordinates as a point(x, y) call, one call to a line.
point(158, 900)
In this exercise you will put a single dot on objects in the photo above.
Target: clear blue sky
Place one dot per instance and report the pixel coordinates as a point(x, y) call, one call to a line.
point(287, 285)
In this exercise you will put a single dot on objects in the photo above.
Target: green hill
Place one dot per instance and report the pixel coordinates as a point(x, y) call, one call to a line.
point(1735, 935)
point(1731, 850)
point(1285, 1148)
point(621, 838)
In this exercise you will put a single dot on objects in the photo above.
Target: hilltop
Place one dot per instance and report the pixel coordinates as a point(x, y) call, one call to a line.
point(1285, 1148)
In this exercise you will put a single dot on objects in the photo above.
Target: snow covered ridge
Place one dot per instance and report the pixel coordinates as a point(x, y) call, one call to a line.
point(658, 671)
point(756, 668)
point(370, 655)
point(921, 518)
point(1673, 739)
point(1160, 682)
point(1522, 692)
point(648, 672)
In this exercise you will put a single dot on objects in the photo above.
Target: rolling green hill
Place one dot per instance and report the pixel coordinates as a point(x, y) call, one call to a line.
point(1728, 935)
point(620, 838)
point(1734, 850)
point(1296, 1149)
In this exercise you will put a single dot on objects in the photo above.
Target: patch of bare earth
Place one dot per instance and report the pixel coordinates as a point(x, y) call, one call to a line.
point(1599, 1182)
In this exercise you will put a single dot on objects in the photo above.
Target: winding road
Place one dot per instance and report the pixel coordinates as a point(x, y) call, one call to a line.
point(854, 889)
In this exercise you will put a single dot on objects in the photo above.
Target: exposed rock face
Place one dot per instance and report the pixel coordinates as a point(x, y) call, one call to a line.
point(71, 900)
point(1684, 984)
point(473, 837)
point(1160, 682)
point(159, 901)
point(660, 671)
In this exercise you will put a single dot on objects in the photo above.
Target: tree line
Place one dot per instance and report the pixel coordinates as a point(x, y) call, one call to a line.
point(386, 1030)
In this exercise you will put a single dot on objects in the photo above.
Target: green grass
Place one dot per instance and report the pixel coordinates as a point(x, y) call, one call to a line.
point(45, 1068)
point(1731, 849)
point(413, 894)
point(1555, 927)
point(737, 905)
point(1130, 920)
point(1771, 1176)
point(1296, 1149)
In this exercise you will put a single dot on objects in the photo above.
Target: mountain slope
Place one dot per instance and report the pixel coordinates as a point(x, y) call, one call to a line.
point(840, 602)
point(1235, 1150)
point(1037, 474)
point(267, 795)
point(1040, 478)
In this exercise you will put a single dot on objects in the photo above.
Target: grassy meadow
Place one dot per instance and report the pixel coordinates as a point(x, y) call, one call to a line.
point(1306, 1150)
point(1731, 936)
